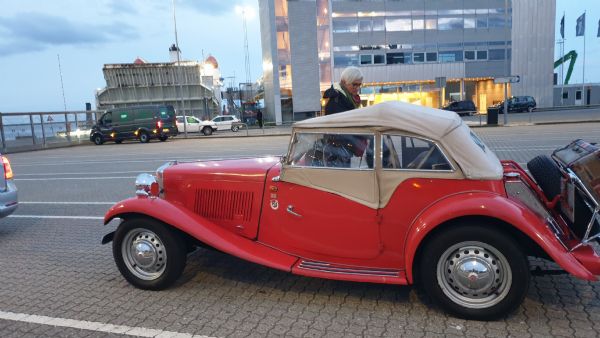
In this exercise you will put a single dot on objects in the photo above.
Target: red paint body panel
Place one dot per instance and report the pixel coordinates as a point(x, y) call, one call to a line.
point(203, 230)
point(588, 258)
point(499, 207)
point(329, 227)
point(227, 192)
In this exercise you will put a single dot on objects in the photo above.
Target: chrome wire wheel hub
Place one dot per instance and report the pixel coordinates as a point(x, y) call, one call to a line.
point(474, 275)
point(144, 254)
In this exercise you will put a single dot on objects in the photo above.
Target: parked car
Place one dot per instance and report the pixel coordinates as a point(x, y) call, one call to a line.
point(392, 193)
point(462, 107)
point(515, 104)
point(140, 122)
point(8, 190)
point(195, 125)
point(225, 122)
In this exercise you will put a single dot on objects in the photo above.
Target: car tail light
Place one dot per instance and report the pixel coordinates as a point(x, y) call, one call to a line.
point(159, 124)
point(8, 173)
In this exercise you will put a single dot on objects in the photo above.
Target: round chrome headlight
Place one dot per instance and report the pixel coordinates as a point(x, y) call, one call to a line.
point(146, 185)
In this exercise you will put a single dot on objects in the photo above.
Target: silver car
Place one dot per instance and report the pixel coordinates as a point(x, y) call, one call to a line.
point(8, 189)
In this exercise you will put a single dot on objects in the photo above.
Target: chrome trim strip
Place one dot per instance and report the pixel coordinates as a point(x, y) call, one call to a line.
point(330, 268)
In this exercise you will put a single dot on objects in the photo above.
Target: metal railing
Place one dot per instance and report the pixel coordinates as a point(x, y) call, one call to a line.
point(30, 131)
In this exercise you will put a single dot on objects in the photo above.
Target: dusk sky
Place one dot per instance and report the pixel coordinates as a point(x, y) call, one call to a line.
point(88, 34)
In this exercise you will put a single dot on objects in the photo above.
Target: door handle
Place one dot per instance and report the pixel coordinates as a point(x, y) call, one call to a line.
point(290, 209)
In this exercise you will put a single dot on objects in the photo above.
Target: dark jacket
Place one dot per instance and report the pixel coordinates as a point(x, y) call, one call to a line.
point(337, 101)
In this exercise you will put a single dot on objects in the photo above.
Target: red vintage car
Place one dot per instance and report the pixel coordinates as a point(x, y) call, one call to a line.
point(393, 193)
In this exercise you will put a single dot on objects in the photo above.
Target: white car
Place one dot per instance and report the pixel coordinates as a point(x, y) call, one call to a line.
point(195, 125)
point(225, 122)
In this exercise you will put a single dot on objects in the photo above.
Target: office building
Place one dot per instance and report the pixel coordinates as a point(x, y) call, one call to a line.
point(401, 47)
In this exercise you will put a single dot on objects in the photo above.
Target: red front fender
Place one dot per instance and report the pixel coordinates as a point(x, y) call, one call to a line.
point(202, 229)
point(493, 206)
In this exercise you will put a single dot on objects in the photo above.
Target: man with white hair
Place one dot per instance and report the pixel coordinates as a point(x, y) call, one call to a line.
point(344, 96)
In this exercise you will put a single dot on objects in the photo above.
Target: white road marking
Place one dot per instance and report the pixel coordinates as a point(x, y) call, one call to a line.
point(73, 178)
point(57, 217)
point(93, 326)
point(69, 203)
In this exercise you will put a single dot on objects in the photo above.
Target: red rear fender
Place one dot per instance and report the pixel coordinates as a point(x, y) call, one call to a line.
point(492, 206)
point(203, 230)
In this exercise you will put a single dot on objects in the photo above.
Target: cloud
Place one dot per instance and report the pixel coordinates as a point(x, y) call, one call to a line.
point(211, 7)
point(31, 31)
point(122, 7)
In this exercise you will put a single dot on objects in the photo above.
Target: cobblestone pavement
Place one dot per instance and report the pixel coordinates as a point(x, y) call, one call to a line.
point(56, 267)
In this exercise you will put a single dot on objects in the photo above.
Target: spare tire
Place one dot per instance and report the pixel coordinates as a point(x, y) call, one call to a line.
point(547, 175)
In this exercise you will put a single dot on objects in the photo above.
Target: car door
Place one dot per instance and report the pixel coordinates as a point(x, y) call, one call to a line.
point(105, 124)
point(193, 124)
point(219, 122)
point(323, 207)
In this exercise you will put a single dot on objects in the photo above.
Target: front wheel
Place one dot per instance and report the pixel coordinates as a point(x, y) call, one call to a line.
point(474, 272)
point(163, 138)
point(144, 137)
point(530, 109)
point(98, 139)
point(207, 131)
point(148, 254)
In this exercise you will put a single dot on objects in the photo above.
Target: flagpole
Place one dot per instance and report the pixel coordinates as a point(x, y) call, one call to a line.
point(583, 82)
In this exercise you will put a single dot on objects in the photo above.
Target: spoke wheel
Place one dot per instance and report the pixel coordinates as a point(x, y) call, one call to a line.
point(148, 253)
point(474, 272)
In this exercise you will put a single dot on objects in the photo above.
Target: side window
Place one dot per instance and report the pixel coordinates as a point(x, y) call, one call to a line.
point(217, 119)
point(354, 151)
point(411, 153)
point(179, 119)
point(107, 119)
point(191, 119)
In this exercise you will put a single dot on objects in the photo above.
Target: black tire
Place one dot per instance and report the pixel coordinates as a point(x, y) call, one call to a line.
point(547, 175)
point(235, 128)
point(163, 138)
point(530, 109)
point(98, 139)
point(164, 253)
point(118, 141)
point(474, 272)
point(207, 131)
point(144, 137)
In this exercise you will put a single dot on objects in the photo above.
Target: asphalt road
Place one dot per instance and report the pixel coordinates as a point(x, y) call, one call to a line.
point(57, 280)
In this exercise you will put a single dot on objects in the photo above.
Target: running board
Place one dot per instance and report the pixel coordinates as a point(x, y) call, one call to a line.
point(349, 272)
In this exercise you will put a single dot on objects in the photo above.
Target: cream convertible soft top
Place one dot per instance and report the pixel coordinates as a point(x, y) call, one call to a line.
point(447, 128)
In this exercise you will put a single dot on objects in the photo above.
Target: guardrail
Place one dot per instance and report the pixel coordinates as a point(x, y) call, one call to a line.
point(30, 131)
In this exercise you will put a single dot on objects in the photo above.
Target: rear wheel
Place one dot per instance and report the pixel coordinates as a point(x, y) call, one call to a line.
point(144, 137)
point(474, 272)
point(235, 128)
point(148, 254)
point(207, 131)
point(547, 175)
point(98, 139)
point(118, 141)
point(163, 138)
point(530, 109)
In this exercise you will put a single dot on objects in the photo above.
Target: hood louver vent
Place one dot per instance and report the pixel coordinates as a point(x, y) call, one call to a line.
point(224, 204)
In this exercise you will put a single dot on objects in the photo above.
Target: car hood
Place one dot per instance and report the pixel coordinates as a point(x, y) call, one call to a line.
point(246, 169)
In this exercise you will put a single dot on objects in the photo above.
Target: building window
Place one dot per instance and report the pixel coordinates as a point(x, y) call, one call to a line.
point(482, 21)
point(418, 24)
point(364, 25)
point(431, 24)
point(345, 60)
point(418, 57)
point(398, 25)
point(431, 56)
point(451, 56)
point(578, 95)
point(446, 24)
point(345, 26)
point(565, 95)
point(379, 59)
point(378, 25)
point(395, 58)
point(496, 54)
point(366, 59)
point(482, 55)
point(469, 55)
point(469, 23)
